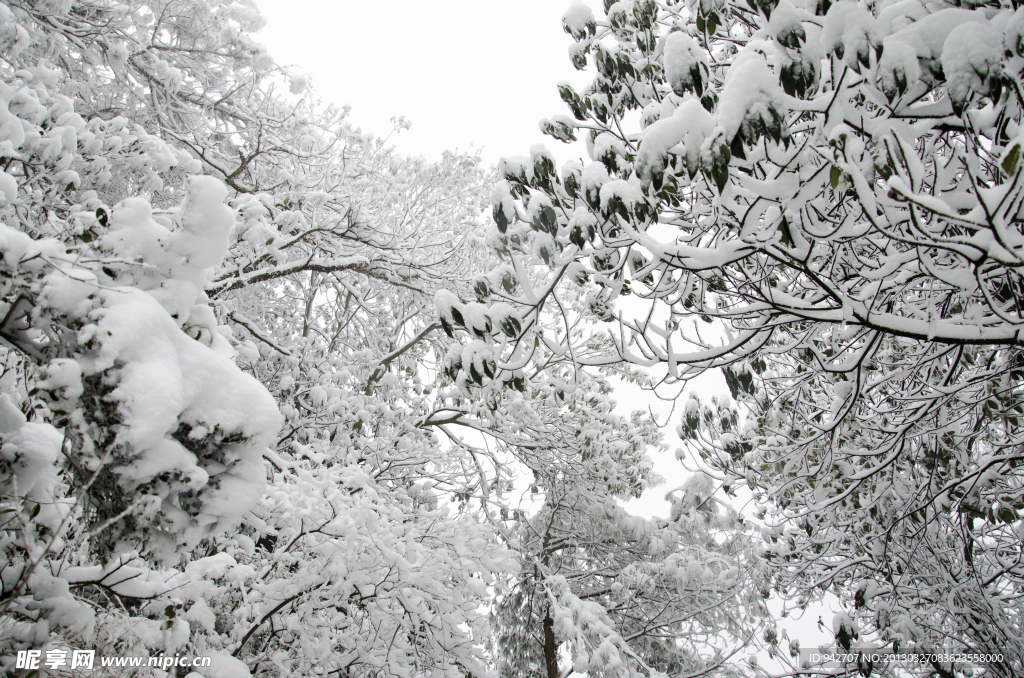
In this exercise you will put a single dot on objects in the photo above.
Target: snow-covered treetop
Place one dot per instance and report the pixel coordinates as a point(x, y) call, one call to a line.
point(825, 199)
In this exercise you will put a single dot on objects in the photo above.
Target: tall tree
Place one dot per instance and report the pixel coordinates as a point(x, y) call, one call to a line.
point(232, 421)
point(823, 200)
point(622, 595)
point(135, 513)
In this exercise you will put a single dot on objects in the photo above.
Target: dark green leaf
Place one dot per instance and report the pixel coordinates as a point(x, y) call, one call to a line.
point(547, 221)
point(720, 158)
point(1011, 161)
point(511, 326)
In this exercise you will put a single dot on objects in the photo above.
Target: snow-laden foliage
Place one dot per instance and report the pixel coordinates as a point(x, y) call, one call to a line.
point(234, 416)
point(146, 440)
point(624, 595)
point(825, 200)
point(137, 514)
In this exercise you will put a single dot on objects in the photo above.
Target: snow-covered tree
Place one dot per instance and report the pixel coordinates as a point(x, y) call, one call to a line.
point(136, 511)
point(233, 421)
point(823, 199)
point(369, 559)
point(622, 595)
point(145, 440)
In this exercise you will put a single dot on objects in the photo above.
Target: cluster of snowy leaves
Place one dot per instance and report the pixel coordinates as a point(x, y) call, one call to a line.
point(520, 369)
point(146, 439)
point(235, 418)
point(824, 199)
point(136, 511)
point(627, 596)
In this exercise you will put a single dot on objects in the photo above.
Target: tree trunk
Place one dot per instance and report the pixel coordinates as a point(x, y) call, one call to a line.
point(550, 647)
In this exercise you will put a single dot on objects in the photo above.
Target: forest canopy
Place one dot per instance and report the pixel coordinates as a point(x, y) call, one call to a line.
point(275, 394)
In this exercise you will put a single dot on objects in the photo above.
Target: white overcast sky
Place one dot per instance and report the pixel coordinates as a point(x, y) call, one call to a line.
point(466, 73)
